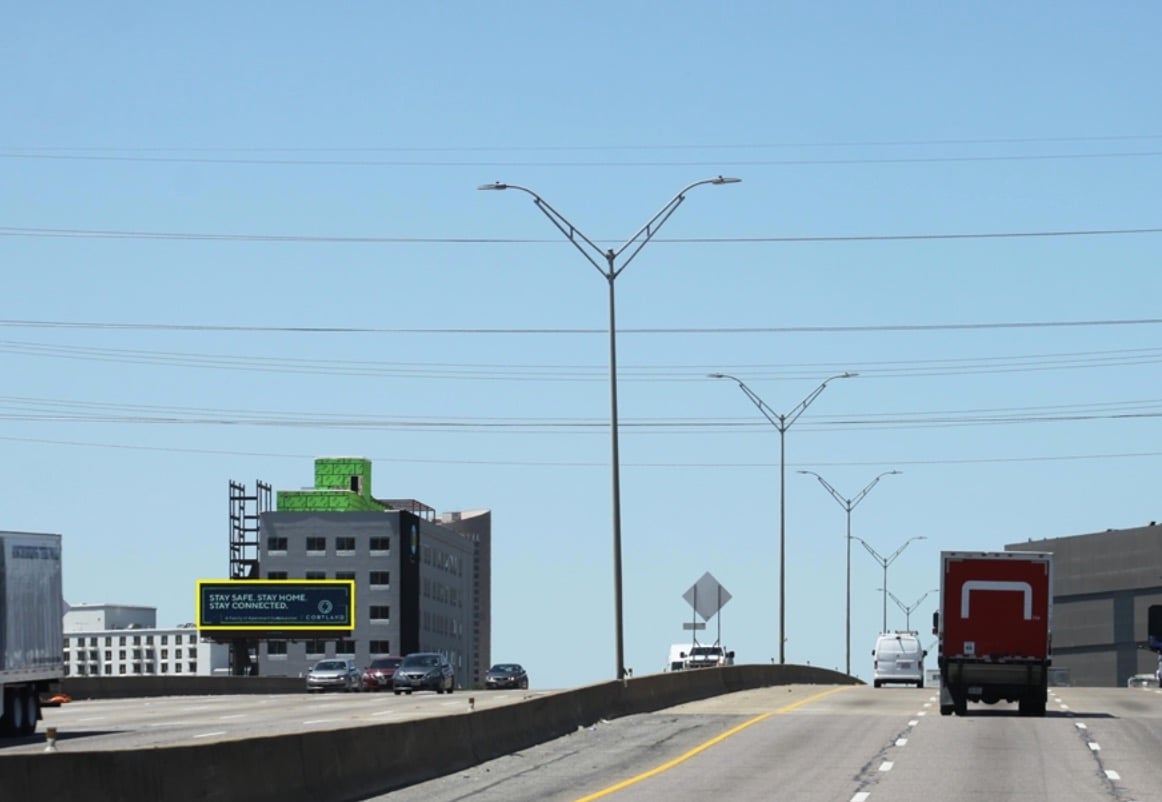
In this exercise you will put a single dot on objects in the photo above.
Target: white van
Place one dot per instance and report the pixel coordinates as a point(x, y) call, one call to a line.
point(899, 659)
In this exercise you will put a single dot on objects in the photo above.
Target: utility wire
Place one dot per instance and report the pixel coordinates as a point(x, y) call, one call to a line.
point(81, 233)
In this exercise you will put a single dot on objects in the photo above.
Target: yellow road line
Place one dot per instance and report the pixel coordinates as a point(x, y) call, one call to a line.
point(703, 747)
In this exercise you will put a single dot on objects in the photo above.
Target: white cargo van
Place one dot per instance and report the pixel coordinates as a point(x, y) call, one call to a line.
point(899, 659)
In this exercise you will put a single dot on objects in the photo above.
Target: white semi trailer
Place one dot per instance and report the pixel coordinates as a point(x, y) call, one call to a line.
point(31, 620)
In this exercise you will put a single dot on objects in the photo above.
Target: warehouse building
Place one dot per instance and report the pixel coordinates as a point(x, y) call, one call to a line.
point(422, 579)
point(1103, 585)
point(122, 640)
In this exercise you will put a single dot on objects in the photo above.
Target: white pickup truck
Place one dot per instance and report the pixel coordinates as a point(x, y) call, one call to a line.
point(685, 655)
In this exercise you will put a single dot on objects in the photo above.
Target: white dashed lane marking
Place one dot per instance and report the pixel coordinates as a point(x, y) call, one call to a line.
point(886, 765)
point(210, 734)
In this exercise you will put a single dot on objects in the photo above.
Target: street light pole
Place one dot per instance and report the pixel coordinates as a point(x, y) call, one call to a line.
point(782, 423)
point(906, 610)
point(848, 505)
point(610, 270)
point(885, 562)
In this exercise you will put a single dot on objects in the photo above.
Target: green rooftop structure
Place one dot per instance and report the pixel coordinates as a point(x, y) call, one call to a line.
point(342, 484)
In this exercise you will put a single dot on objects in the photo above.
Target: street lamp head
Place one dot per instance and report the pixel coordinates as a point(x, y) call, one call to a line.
point(494, 185)
point(845, 375)
point(722, 180)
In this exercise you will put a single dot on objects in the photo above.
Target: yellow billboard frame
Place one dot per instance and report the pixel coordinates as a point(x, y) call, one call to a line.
point(349, 584)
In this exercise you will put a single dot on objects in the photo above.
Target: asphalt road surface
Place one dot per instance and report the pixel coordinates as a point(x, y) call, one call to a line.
point(838, 744)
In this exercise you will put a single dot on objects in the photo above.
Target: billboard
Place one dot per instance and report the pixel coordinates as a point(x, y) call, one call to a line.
point(290, 605)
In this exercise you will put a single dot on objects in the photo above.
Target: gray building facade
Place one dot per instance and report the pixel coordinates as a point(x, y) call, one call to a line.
point(1103, 585)
point(420, 585)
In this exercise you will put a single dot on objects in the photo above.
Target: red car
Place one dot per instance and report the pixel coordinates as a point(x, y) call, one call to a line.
point(377, 676)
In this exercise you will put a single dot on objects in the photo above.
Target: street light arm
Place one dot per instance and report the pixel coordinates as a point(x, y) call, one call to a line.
point(900, 550)
point(860, 496)
point(639, 239)
point(768, 413)
point(801, 407)
point(845, 503)
point(647, 232)
point(874, 553)
point(571, 232)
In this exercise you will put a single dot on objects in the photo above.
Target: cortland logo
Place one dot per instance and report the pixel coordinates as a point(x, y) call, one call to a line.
point(325, 606)
point(414, 541)
point(980, 584)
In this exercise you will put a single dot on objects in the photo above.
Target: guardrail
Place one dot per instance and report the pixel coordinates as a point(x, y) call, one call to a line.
point(333, 765)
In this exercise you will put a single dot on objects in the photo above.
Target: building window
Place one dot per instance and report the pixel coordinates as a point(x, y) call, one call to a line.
point(108, 668)
point(192, 638)
point(108, 655)
point(380, 612)
point(165, 668)
point(164, 639)
point(92, 641)
point(316, 648)
point(165, 654)
point(316, 575)
point(345, 545)
point(381, 647)
point(276, 574)
point(345, 647)
point(121, 641)
point(274, 543)
point(276, 648)
point(121, 654)
point(108, 640)
point(380, 578)
point(177, 668)
point(193, 668)
point(177, 653)
point(136, 640)
point(345, 575)
point(316, 545)
point(121, 669)
point(379, 544)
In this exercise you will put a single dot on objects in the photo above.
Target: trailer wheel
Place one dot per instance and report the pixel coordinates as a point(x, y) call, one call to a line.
point(960, 704)
point(946, 710)
point(31, 711)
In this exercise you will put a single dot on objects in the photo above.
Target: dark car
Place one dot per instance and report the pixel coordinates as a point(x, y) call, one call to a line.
point(424, 671)
point(506, 675)
point(377, 676)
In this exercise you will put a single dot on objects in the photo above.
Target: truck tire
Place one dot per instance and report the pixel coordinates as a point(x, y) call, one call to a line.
point(960, 703)
point(31, 711)
point(946, 710)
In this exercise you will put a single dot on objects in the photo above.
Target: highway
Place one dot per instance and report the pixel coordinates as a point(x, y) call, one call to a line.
point(838, 744)
point(794, 742)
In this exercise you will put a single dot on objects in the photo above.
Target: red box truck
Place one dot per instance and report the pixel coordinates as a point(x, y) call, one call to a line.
point(993, 629)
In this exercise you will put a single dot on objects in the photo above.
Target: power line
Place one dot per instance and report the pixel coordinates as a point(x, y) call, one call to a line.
point(510, 372)
point(397, 459)
point(817, 329)
point(80, 233)
point(583, 148)
point(428, 163)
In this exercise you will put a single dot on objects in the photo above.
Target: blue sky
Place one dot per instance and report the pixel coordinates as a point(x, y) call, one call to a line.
point(186, 189)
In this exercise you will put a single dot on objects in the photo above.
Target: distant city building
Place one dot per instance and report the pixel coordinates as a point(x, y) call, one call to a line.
point(1103, 585)
point(422, 579)
point(117, 640)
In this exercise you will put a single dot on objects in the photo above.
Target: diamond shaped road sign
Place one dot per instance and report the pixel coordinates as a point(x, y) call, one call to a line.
point(706, 596)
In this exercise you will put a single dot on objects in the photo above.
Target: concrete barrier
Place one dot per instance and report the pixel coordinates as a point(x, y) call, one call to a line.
point(190, 685)
point(336, 765)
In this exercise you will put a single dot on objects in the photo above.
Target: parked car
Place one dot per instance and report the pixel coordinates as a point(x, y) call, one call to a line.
point(334, 674)
point(506, 675)
point(377, 676)
point(421, 671)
